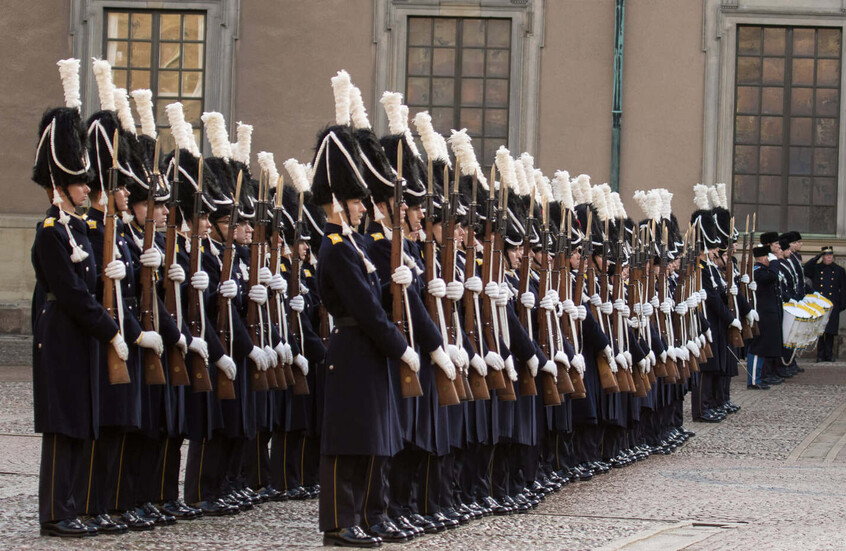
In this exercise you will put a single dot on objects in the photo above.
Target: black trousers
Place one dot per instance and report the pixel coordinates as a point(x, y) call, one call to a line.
point(353, 491)
point(257, 460)
point(564, 455)
point(145, 464)
point(825, 348)
point(61, 477)
point(294, 460)
point(167, 471)
point(205, 469)
point(477, 470)
point(111, 468)
point(587, 442)
point(705, 393)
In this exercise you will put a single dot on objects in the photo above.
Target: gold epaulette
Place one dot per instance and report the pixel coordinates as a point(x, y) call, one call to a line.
point(335, 238)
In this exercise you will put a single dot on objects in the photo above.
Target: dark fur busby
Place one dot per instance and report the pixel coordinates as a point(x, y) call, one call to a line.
point(131, 156)
point(290, 202)
point(315, 218)
point(413, 171)
point(722, 218)
point(596, 229)
point(221, 171)
point(760, 250)
point(708, 225)
point(189, 167)
point(376, 168)
point(62, 138)
point(345, 184)
point(769, 237)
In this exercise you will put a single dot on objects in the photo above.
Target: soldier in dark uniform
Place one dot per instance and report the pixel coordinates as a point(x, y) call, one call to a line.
point(764, 350)
point(830, 280)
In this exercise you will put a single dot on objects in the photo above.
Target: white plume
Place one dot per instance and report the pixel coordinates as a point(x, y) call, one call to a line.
point(124, 112)
point(105, 85)
point(609, 201)
point(528, 163)
point(144, 105)
point(341, 85)
point(582, 189)
point(442, 145)
point(505, 165)
point(714, 196)
point(617, 202)
point(597, 197)
point(217, 134)
point(266, 162)
point(543, 186)
point(721, 193)
point(409, 138)
point(666, 203)
point(700, 197)
point(179, 128)
point(357, 110)
point(462, 147)
point(69, 73)
point(299, 177)
point(643, 202)
point(309, 173)
point(423, 123)
point(523, 186)
point(242, 148)
point(194, 148)
point(562, 191)
point(392, 101)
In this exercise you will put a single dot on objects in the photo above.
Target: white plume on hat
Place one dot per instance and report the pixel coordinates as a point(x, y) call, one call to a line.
point(543, 186)
point(523, 186)
point(266, 162)
point(617, 202)
point(217, 134)
point(69, 73)
point(299, 178)
point(713, 196)
point(528, 163)
point(442, 144)
point(241, 149)
point(357, 111)
point(721, 194)
point(392, 101)
point(597, 197)
point(341, 85)
point(562, 190)
point(431, 144)
point(609, 202)
point(640, 197)
point(180, 129)
point(144, 105)
point(124, 112)
point(700, 197)
point(666, 203)
point(462, 147)
point(505, 165)
point(105, 85)
point(409, 138)
point(582, 190)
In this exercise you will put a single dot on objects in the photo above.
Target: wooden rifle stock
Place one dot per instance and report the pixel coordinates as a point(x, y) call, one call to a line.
point(258, 378)
point(300, 384)
point(478, 385)
point(200, 379)
point(609, 382)
point(284, 375)
point(549, 386)
point(151, 363)
point(525, 380)
point(177, 373)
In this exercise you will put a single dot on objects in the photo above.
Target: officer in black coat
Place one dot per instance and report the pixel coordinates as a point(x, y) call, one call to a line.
point(830, 280)
point(764, 351)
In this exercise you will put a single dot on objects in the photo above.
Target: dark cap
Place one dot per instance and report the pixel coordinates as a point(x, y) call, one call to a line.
point(828, 249)
point(769, 237)
point(761, 250)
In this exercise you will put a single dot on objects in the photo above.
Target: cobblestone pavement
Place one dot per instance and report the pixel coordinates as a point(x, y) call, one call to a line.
point(773, 474)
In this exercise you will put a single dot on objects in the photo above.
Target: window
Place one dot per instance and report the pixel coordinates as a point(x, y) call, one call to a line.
point(165, 52)
point(459, 70)
point(786, 127)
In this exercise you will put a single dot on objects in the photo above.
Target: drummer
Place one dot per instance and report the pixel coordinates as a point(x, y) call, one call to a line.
point(764, 351)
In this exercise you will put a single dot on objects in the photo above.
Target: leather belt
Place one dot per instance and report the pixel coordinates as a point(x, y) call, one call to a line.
point(346, 321)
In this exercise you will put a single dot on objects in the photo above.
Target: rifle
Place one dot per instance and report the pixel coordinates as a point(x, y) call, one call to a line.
point(576, 388)
point(610, 383)
point(173, 292)
point(743, 287)
point(708, 353)
point(526, 381)
point(225, 387)
point(151, 363)
point(478, 386)
point(409, 381)
point(638, 380)
point(693, 282)
point(118, 372)
point(294, 322)
point(284, 375)
point(259, 380)
point(734, 334)
point(495, 379)
point(648, 282)
point(666, 369)
point(618, 326)
point(200, 379)
point(447, 390)
point(750, 270)
point(551, 396)
point(506, 393)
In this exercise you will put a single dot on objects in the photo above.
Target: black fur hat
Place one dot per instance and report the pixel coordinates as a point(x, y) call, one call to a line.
point(61, 156)
point(708, 224)
point(338, 144)
point(413, 171)
point(101, 128)
point(315, 218)
point(769, 237)
point(376, 168)
point(290, 204)
point(189, 167)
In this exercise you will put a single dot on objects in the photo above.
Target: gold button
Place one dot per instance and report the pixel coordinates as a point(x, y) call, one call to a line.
point(335, 330)
point(331, 367)
point(39, 345)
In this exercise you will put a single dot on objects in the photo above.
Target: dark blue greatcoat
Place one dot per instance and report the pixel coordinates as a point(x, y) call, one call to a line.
point(830, 281)
point(768, 343)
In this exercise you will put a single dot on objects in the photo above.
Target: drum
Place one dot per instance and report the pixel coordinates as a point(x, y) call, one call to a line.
point(798, 324)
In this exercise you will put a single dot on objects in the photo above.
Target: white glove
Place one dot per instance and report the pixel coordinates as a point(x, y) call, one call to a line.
point(570, 307)
point(455, 290)
point(681, 308)
point(644, 365)
point(753, 286)
point(456, 356)
point(200, 347)
point(228, 289)
point(692, 302)
point(651, 358)
point(527, 299)
point(671, 352)
point(504, 295)
point(200, 281)
point(120, 347)
point(634, 323)
point(628, 356)
point(554, 294)
point(665, 307)
point(750, 317)
point(620, 359)
point(302, 363)
point(272, 358)
point(755, 314)
point(286, 355)
point(683, 353)
point(116, 270)
point(182, 345)
point(654, 301)
point(736, 324)
point(473, 284)
point(578, 362)
point(582, 312)
point(638, 308)
point(561, 357)
point(258, 294)
point(509, 368)
point(626, 312)
point(494, 361)
point(595, 300)
point(609, 355)
point(663, 356)
point(441, 359)
point(278, 284)
point(547, 302)
point(733, 290)
point(297, 303)
point(402, 276)
point(744, 279)
point(477, 363)
point(411, 358)
point(151, 340)
point(532, 364)
point(492, 290)
point(619, 305)
point(265, 275)
point(693, 347)
point(175, 273)
point(703, 295)
point(771, 257)
point(551, 368)
point(257, 355)
point(151, 258)
point(709, 335)
point(437, 288)
point(226, 365)
point(700, 340)
point(606, 308)
point(647, 309)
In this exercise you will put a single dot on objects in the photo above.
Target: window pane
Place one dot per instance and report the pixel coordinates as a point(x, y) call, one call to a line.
point(193, 56)
point(472, 63)
point(774, 41)
point(749, 70)
point(194, 27)
point(769, 190)
point(798, 217)
point(803, 42)
point(418, 91)
point(140, 54)
point(496, 93)
point(419, 31)
point(170, 26)
point(489, 149)
point(419, 61)
point(139, 79)
point(770, 160)
point(443, 119)
point(798, 190)
point(769, 218)
point(800, 131)
point(472, 91)
point(471, 119)
point(192, 84)
point(746, 130)
point(748, 99)
point(745, 189)
point(474, 32)
point(169, 55)
point(119, 78)
point(801, 101)
point(825, 161)
point(828, 43)
point(445, 32)
point(749, 40)
point(772, 101)
point(824, 220)
point(498, 63)
point(803, 72)
point(116, 53)
point(828, 72)
point(800, 160)
point(193, 110)
point(826, 132)
point(166, 138)
point(771, 130)
point(142, 24)
point(444, 62)
point(827, 102)
point(496, 122)
point(168, 83)
point(499, 33)
point(825, 191)
point(443, 91)
point(773, 70)
point(117, 25)
point(745, 159)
